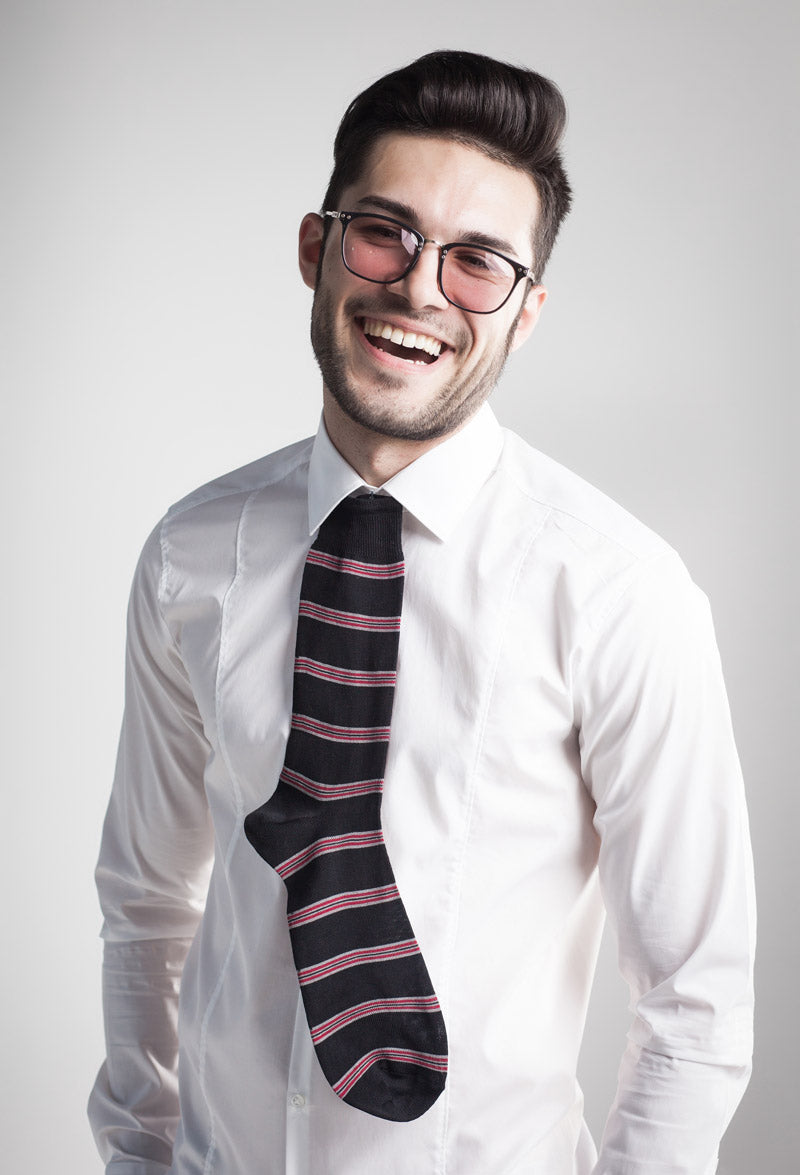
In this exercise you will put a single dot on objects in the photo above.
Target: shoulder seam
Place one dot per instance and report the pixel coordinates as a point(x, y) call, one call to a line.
point(557, 512)
point(213, 490)
point(636, 573)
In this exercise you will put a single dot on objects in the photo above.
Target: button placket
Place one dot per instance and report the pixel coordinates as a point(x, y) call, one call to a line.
point(298, 1096)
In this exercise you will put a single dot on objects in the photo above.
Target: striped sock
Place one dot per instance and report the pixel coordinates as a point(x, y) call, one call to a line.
point(374, 1017)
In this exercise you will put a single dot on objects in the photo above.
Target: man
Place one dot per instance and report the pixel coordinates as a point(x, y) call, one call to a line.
point(409, 843)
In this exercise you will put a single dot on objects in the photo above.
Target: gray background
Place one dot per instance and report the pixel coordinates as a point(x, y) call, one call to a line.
point(157, 156)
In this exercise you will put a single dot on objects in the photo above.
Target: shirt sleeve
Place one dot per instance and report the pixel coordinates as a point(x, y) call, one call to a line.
point(152, 877)
point(659, 758)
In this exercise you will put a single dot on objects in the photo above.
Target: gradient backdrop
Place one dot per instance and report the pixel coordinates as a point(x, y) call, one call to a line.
point(156, 159)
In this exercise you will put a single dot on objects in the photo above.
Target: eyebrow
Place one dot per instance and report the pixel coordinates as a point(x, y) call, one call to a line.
point(406, 213)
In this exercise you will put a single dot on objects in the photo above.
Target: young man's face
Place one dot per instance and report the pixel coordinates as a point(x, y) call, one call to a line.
point(448, 192)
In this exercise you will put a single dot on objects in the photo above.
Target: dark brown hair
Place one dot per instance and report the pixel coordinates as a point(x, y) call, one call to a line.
point(512, 114)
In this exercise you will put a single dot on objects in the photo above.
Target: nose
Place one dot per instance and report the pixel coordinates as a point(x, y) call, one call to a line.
point(420, 287)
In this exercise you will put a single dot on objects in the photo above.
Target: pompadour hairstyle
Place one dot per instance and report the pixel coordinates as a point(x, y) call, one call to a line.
point(512, 114)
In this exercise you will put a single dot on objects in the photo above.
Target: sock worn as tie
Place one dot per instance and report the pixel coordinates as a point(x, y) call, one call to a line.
point(374, 1017)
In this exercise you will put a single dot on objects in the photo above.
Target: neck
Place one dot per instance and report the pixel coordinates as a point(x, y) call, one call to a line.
point(375, 458)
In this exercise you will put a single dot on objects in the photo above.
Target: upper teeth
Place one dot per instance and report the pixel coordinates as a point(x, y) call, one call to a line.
point(383, 330)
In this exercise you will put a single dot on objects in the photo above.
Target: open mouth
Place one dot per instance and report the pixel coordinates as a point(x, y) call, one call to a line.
point(412, 346)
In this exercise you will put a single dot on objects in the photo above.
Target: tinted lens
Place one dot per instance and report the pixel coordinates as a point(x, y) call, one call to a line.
point(378, 249)
point(476, 279)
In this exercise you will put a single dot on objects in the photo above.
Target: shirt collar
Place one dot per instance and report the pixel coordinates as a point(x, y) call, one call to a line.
point(437, 488)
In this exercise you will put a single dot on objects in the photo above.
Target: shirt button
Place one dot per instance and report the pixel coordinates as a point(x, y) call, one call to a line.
point(297, 1101)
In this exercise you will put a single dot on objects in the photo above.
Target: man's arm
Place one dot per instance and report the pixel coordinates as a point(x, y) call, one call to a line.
point(152, 877)
point(675, 866)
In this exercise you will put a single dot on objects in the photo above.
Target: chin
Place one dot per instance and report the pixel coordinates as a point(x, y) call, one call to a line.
point(427, 423)
point(380, 410)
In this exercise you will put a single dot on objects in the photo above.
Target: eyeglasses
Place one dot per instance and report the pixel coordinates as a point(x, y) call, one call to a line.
point(384, 250)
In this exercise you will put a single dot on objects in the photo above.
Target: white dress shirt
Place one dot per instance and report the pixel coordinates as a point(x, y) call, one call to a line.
point(560, 731)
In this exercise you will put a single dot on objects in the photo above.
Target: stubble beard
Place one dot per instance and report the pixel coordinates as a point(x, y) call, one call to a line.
point(454, 404)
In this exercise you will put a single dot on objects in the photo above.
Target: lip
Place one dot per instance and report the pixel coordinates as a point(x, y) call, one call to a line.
point(394, 361)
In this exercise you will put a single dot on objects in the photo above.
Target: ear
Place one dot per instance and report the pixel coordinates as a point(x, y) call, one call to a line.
point(529, 315)
point(310, 247)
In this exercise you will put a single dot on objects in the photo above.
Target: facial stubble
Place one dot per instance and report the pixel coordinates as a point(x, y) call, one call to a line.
point(454, 404)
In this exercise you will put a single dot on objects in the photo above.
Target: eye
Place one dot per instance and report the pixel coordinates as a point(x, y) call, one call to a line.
point(477, 261)
point(479, 264)
point(379, 233)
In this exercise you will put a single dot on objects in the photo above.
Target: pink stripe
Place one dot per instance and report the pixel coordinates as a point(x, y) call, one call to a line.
point(367, 677)
point(349, 900)
point(355, 566)
point(328, 844)
point(340, 734)
point(349, 619)
point(382, 954)
point(330, 791)
point(345, 1083)
point(427, 1003)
